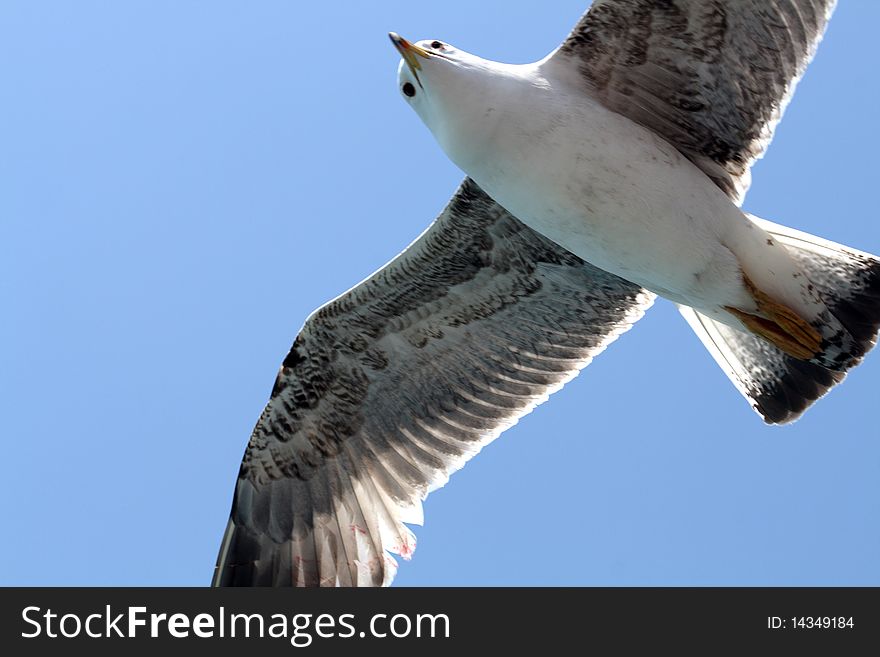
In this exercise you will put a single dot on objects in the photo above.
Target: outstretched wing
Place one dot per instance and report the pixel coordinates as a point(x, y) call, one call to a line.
point(391, 387)
point(710, 76)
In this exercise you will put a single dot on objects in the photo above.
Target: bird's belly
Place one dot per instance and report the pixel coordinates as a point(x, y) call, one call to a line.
point(619, 197)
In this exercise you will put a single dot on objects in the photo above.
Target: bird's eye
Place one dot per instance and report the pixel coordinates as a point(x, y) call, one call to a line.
point(436, 45)
point(409, 90)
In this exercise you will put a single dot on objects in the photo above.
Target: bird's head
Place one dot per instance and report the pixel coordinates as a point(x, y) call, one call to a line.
point(447, 88)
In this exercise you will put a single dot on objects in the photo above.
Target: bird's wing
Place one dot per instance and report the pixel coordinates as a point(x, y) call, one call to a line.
point(710, 76)
point(392, 386)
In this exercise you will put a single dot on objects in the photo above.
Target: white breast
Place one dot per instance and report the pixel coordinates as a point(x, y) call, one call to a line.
point(603, 187)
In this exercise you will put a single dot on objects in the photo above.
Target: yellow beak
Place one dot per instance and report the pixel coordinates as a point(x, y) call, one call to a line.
point(409, 51)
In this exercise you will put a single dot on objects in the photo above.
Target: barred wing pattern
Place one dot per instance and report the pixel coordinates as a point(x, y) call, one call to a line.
point(710, 76)
point(394, 385)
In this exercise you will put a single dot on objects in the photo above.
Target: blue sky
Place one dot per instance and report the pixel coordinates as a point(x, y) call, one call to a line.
point(181, 183)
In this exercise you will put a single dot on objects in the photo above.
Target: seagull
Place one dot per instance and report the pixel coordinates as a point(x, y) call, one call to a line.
point(608, 173)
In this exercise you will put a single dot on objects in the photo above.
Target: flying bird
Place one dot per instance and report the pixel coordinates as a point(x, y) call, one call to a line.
point(607, 173)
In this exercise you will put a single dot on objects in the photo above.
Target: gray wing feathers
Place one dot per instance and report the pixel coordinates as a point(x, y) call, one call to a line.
point(710, 76)
point(391, 387)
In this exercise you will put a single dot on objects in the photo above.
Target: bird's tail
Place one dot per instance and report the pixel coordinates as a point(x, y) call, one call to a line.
point(781, 387)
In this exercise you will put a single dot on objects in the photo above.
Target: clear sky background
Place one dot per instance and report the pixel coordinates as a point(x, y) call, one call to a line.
point(181, 183)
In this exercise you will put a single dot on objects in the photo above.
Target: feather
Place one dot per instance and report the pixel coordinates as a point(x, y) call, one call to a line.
point(712, 77)
point(391, 387)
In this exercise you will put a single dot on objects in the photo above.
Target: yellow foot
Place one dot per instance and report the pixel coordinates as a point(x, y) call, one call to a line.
point(779, 325)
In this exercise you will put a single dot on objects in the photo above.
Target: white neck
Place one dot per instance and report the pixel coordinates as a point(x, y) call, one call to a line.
point(466, 122)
